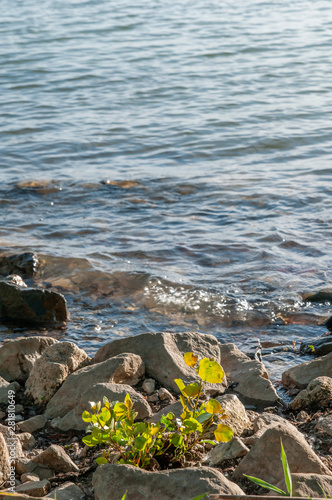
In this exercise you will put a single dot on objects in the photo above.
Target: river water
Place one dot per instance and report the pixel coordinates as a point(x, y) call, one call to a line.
point(170, 163)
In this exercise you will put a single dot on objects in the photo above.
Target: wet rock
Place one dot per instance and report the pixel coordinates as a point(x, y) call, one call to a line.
point(176, 484)
point(30, 305)
point(235, 448)
point(309, 485)
point(39, 186)
point(250, 376)
point(301, 375)
point(34, 488)
point(4, 460)
point(317, 394)
point(33, 424)
point(149, 385)
point(27, 440)
point(55, 458)
point(24, 264)
point(162, 354)
point(322, 345)
point(324, 424)
point(4, 388)
point(164, 395)
point(67, 491)
point(264, 460)
point(52, 368)
point(18, 356)
point(122, 184)
point(67, 407)
point(322, 296)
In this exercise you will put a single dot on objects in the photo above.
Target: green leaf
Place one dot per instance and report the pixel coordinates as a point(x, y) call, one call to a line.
point(124, 496)
point(105, 415)
point(101, 460)
point(199, 497)
point(90, 440)
point(86, 416)
point(120, 409)
point(191, 390)
point(287, 472)
point(140, 427)
point(192, 425)
point(208, 441)
point(213, 406)
point(190, 359)
point(140, 443)
point(266, 485)
point(210, 371)
point(203, 417)
point(176, 440)
point(223, 433)
point(179, 383)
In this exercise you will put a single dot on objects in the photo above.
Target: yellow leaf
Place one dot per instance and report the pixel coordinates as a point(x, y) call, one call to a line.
point(213, 406)
point(190, 359)
point(128, 402)
point(223, 433)
point(191, 390)
point(210, 371)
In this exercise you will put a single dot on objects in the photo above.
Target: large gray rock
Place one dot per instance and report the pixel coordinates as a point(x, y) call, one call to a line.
point(317, 394)
point(18, 356)
point(264, 422)
point(250, 376)
point(264, 461)
point(302, 374)
point(163, 353)
point(30, 305)
point(4, 460)
point(24, 264)
point(55, 458)
point(179, 484)
point(309, 485)
point(52, 368)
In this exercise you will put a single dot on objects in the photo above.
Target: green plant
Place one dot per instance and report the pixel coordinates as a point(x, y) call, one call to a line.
point(114, 423)
point(287, 474)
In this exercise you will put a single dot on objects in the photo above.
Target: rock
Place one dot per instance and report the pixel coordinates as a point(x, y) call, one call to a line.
point(4, 460)
point(235, 448)
point(26, 466)
point(28, 477)
point(301, 375)
point(30, 305)
point(4, 388)
point(27, 440)
point(237, 417)
point(264, 461)
point(67, 491)
point(322, 345)
point(18, 356)
point(175, 408)
point(324, 424)
point(55, 458)
point(322, 296)
point(164, 395)
point(149, 385)
point(318, 394)
point(301, 416)
point(176, 484)
point(2, 415)
point(33, 424)
point(25, 265)
point(13, 444)
point(328, 323)
point(52, 368)
point(153, 398)
point(264, 422)
point(162, 354)
point(17, 496)
point(249, 375)
point(308, 485)
point(70, 416)
point(34, 488)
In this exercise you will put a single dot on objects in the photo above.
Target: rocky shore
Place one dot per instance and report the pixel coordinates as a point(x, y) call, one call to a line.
point(45, 385)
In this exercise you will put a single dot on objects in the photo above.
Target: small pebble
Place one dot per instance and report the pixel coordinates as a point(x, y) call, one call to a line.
point(153, 398)
point(302, 415)
point(164, 394)
point(149, 385)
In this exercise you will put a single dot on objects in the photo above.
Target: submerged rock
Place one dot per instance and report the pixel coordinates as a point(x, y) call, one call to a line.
point(30, 305)
point(24, 264)
point(317, 394)
point(302, 374)
point(324, 295)
point(321, 345)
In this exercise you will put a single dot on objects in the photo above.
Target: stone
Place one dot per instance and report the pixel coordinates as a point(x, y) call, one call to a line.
point(237, 417)
point(4, 460)
point(27, 440)
point(55, 458)
point(235, 448)
point(67, 491)
point(322, 296)
point(301, 375)
point(24, 465)
point(24, 264)
point(165, 395)
point(30, 305)
point(178, 484)
point(250, 376)
point(2, 415)
point(18, 356)
point(28, 477)
point(322, 345)
point(52, 368)
point(34, 488)
point(5, 387)
point(308, 485)
point(263, 460)
point(13, 443)
point(149, 386)
point(262, 423)
point(324, 424)
point(33, 424)
point(17, 496)
point(163, 353)
point(318, 394)
point(68, 416)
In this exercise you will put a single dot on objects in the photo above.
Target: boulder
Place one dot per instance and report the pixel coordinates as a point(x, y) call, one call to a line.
point(301, 375)
point(163, 353)
point(309, 485)
point(250, 376)
point(264, 422)
point(4, 388)
point(69, 416)
point(235, 448)
point(4, 460)
point(33, 424)
point(111, 481)
point(324, 425)
point(24, 264)
point(30, 305)
point(52, 368)
point(318, 394)
point(264, 460)
point(34, 488)
point(67, 491)
point(55, 458)
point(18, 356)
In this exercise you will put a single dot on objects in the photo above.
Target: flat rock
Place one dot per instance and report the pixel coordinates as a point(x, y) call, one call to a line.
point(52, 368)
point(318, 394)
point(250, 376)
point(163, 353)
point(4, 460)
point(301, 375)
point(34, 488)
point(32, 424)
point(324, 424)
point(30, 305)
point(28, 477)
point(18, 356)
point(176, 484)
point(264, 460)
point(308, 485)
point(235, 448)
point(55, 458)
point(24, 264)
point(67, 491)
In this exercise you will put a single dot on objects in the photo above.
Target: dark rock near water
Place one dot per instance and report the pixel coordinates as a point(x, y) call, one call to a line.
point(24, 264)
point(321, 345)
point(30, 305)
point(321, 296)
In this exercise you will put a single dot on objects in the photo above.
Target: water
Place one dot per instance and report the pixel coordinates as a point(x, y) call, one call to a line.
point(212, 121)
